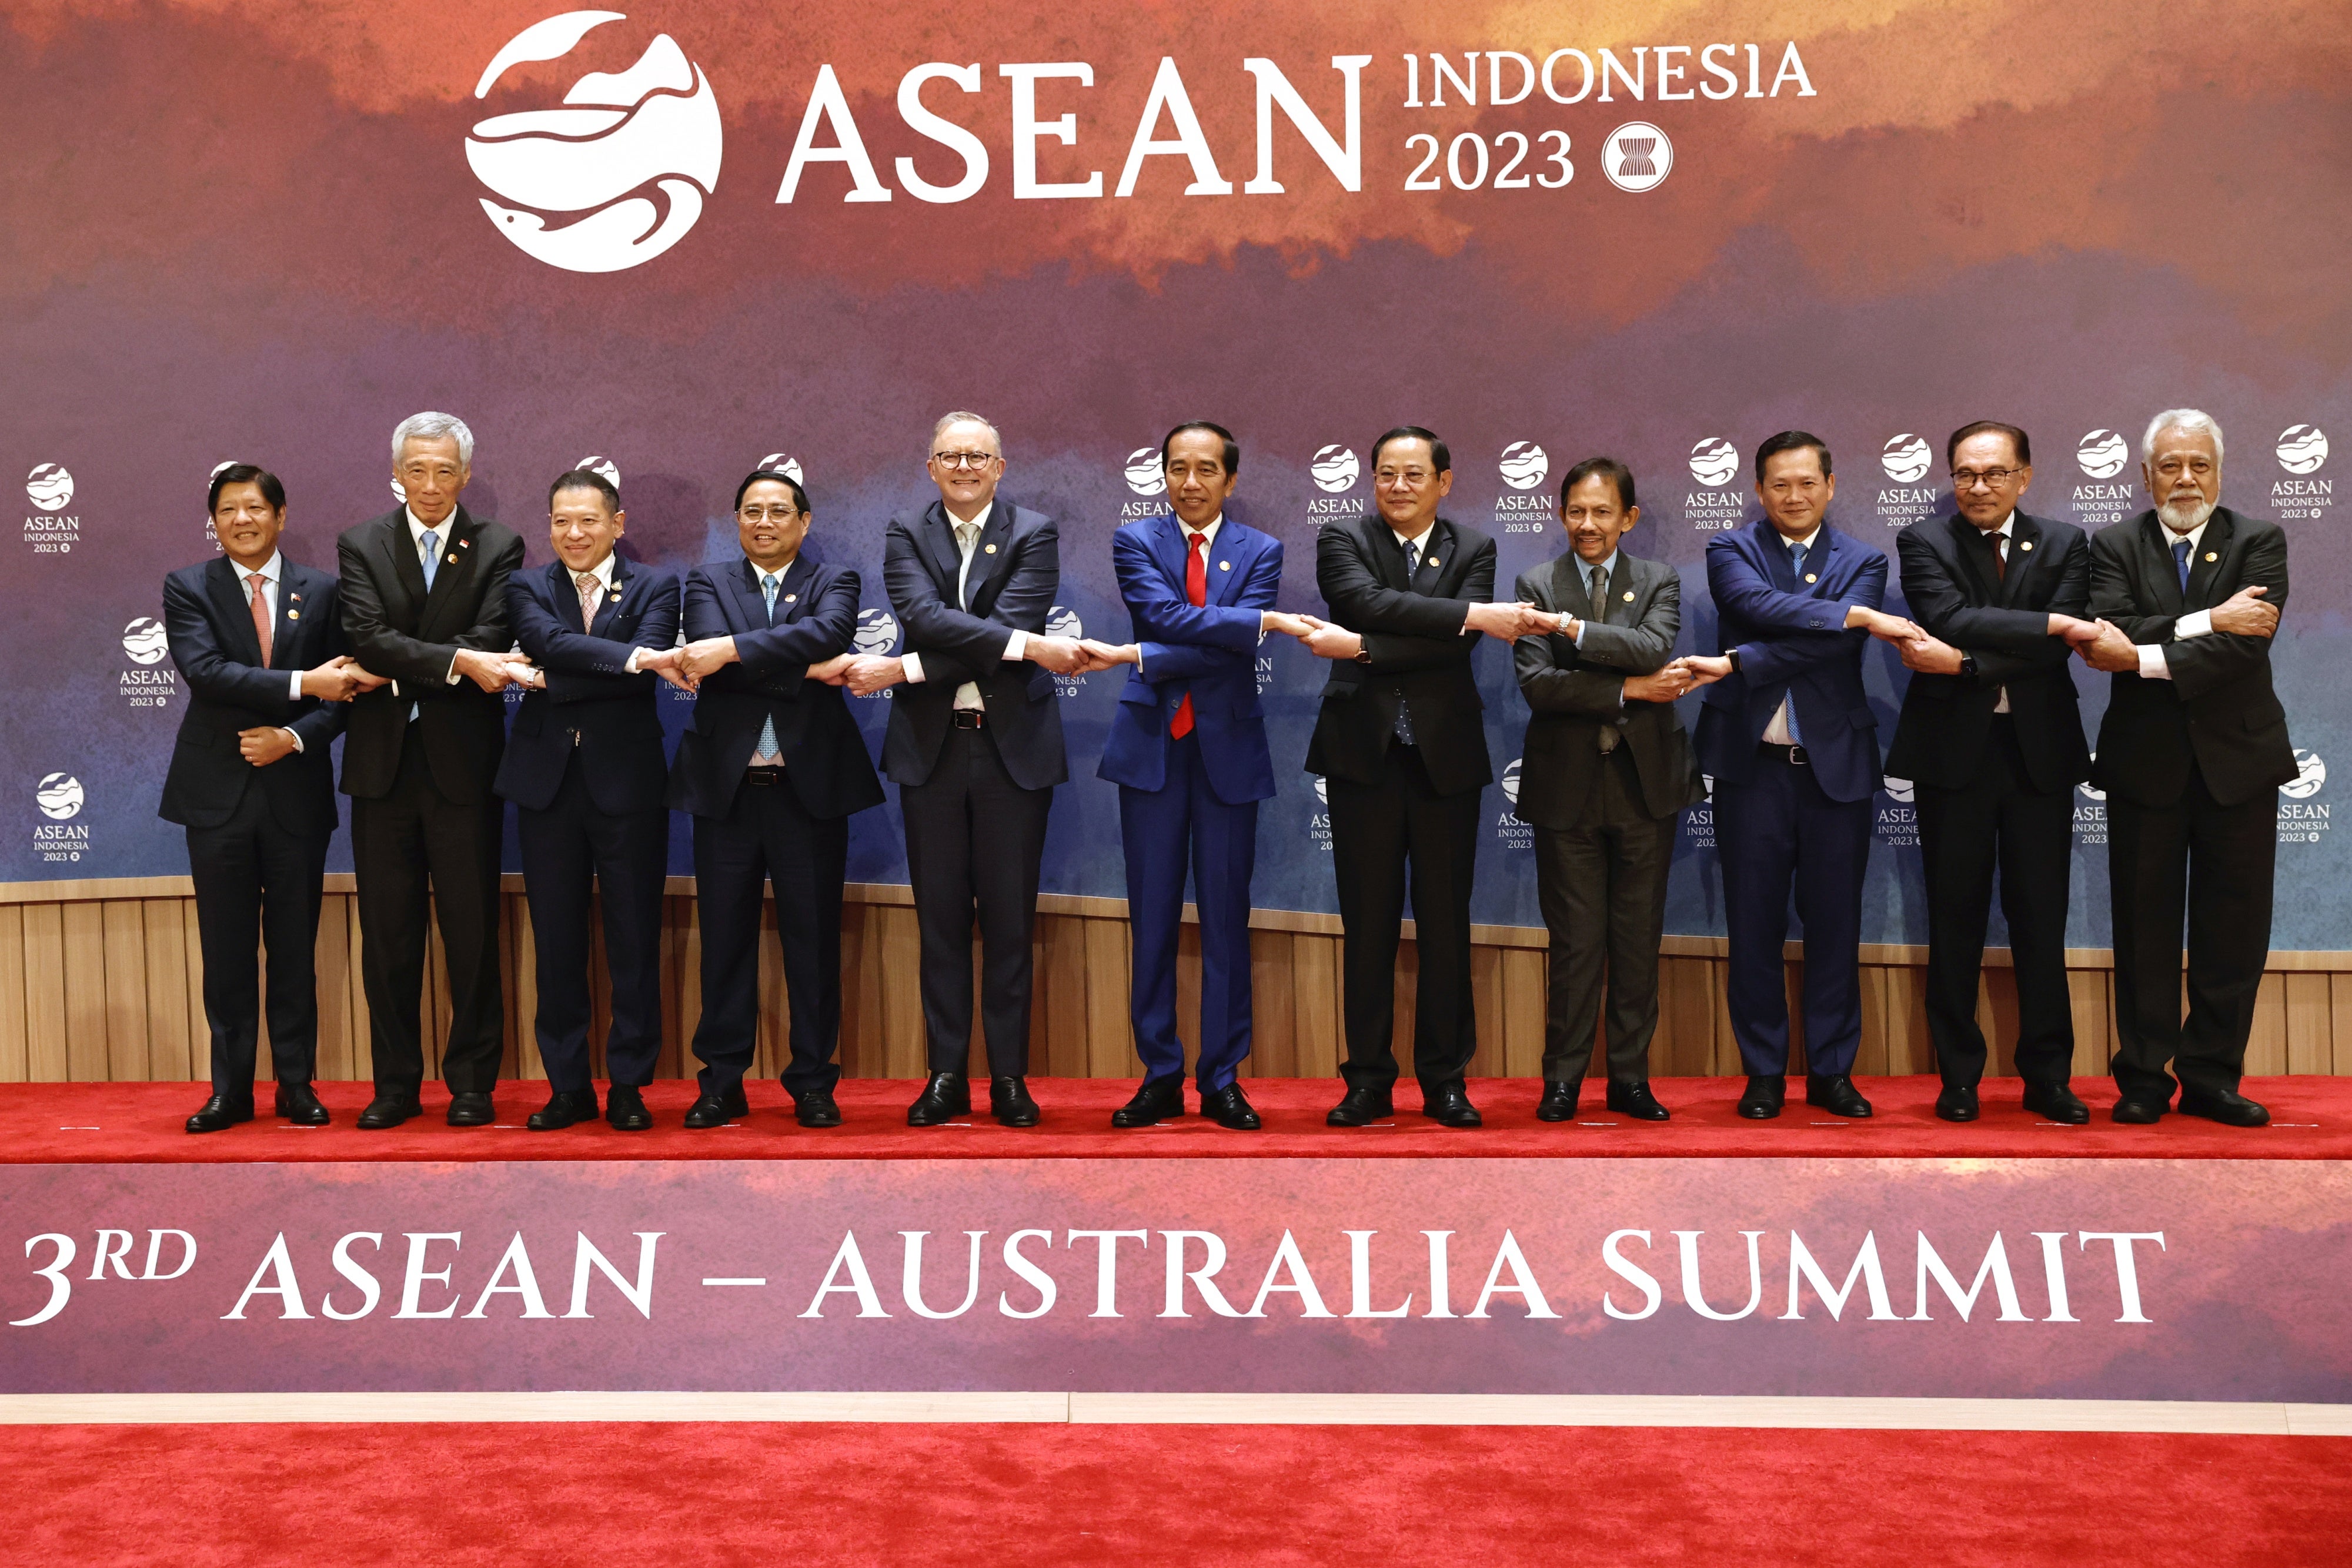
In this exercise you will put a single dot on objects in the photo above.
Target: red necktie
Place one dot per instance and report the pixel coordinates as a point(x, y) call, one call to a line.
point(1196, 589)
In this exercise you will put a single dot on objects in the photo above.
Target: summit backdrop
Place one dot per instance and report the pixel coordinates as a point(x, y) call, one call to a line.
point(684, 237)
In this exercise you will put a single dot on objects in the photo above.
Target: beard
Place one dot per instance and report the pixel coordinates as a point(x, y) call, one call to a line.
point(2184, 517)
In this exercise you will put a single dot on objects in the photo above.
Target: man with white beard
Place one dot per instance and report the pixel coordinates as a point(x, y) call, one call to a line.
point(2191, 752)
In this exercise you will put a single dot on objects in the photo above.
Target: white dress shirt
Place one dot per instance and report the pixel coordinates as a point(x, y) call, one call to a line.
point(966, 537)
point(1778, 732)
point(2195, 623)
point(1208, 533)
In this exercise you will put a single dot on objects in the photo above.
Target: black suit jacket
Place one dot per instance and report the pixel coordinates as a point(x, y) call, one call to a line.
point(1016, 570)
point(824, 757)
point(396, 629)
point(2218, 711)
point(1420, 654)
point(1577, 692)
point(593, 707)
point(209, 625)
point(1942, 737)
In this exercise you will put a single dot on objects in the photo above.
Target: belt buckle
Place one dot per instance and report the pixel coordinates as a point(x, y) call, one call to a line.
point(968, 718)
point(1797, 757)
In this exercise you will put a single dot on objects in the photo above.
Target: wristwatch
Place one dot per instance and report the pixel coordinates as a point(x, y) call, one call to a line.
point(1968, 665)
point(1733, 655)
point(1363, 656)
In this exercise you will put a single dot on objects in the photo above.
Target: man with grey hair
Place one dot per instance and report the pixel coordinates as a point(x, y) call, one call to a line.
point(2191, 752)
point(424, 594)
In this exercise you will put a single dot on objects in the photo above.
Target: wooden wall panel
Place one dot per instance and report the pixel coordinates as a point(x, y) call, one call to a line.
point(16, 1063)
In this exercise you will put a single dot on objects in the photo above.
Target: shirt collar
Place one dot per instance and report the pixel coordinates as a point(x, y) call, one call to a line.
point(416, 531)
point(1208, 531)
point(959, 524)
point(1790, 544)
point(779, 573)
point(1608, 566)
point(271, 569)
point(2193, 536)
point(602, 572)
point(1404, 543)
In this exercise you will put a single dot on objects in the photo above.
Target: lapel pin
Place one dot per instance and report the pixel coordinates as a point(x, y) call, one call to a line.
point(1224, 565)
point(1629, 596)
point(990, 550)
point(293, 615)
point(617, 593)
point(1433, 563)
point(1810, 576)
point(792, 598)
point(2210, 556)
point(2025, 544)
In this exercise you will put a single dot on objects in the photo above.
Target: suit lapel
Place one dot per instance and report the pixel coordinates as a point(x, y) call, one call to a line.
point(751, 605)
point(1970, 552)
point(792, 593)
point(608, 605)
point(1613, 608)
point(1777, 566)
point(2205, 560)
point(988, 569)
point(1224, 551)
point(450, 578)
point(2024, 554)
point(2156, 546)
point(293, 598)
point(401, 548)
point(1169, 548)
point(235, 611)
point(1436, 549)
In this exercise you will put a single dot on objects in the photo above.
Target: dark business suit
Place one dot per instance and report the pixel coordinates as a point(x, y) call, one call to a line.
point(2191, 767)
point(257, 836)
point(1192, 800)
point(424, 816)
point(1792, 817)
point(788, 826)
point(1604, 779)
point(1996, 789)
point(974, 789)
point(1394, 804)
point(585, 768)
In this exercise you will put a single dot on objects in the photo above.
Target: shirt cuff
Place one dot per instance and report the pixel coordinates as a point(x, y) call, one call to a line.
point(631, 665)
point(294, 688)
point(912, 666)
point(295, 736)
point(452, 678)
point(1578, 641)
point(2195, 623)
point(2152, 666)
point(1016, 647)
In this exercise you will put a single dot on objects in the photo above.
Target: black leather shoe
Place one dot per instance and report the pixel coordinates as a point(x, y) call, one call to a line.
point(472, 1111)
point(1766, 1093)
point(1360, 1108)
point(2057, 1103)
point(947, 1096)
point(2140, 1111)
point(1835, 1094)
point(625, 1109)
point(716, 1109)
point(564, 1108)
point(1009, 1103)
point(1957, 1103)
point(817, 1109)
point(1559, 1102)
point(221, 1111)
point(1636, 1099)
point(1158, 1100)
point(2224, 1105)
point(299, 1103)
point(1229, 1107)
point(389, 1110)
point(1448, 1105)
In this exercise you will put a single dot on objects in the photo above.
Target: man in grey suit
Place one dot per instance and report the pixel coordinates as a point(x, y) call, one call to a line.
point(1604, 777)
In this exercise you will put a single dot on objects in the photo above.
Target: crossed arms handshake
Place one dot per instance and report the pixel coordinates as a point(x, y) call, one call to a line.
point(2099, 643)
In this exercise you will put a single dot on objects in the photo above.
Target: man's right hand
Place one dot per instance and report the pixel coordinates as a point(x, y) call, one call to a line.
point(1289, 624)
point(869, 673)
point(1063, 655)
point(487, 671)
point(1509, 622)
point(2110, 651)
point(1706, 669)
point(337, 680)
point(2245, 615)
point(1884, 627)
point(669, 664)
point(2077, 632)
point(832, 672)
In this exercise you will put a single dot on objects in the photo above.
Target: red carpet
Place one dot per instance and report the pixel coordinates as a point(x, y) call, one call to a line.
point(684, 1496)
point(65, 1123)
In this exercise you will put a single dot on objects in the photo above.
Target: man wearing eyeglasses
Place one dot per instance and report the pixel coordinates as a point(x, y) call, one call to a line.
point(975, 746)
point(1991, 738)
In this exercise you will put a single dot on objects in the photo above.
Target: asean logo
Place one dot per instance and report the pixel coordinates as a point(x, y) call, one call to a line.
point(1143, 474)
point(1061, 622)
point(877, 634)
point(1524, 464)
point(785, 462)
point(2310, 775)
point(1637, 157)
point(1511, 781)
point(1905, 458)
point(144, 641)
point(49, 486)
point(1899, 790)
point(59, 797)
point(2102, 453)
point(596, 463)
point(1335, 469)
point(2302, 448)
point(1714, 461)
point(637, 151)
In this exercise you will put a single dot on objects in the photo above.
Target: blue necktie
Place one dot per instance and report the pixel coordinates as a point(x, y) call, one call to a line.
point(432, 544)
point(2180, 560)
point(769, 583)
point(1796, 565)
point(1404, 716)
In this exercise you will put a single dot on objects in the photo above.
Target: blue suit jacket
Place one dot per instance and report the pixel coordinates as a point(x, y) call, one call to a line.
point(1792, 643)
point(1209, 652)
point(590, 695)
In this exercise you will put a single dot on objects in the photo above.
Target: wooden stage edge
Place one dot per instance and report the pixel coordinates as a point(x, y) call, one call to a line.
point(101, 981)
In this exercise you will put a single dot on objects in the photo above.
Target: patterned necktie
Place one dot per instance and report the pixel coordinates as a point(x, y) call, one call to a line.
point(1597, 591)
point(768, 584)
point(430, 543)
point(2180, 561)
point(590, 593)
point(1404, 714)
point(260, 616)
point(1797, 565)
point(1993, 542)
point(1196, 589)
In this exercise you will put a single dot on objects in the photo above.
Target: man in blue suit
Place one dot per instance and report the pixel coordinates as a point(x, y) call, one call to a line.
point(1187, 748)
point(1793, 746)
point(584, 765)
point(771, 770)
point(260, 641)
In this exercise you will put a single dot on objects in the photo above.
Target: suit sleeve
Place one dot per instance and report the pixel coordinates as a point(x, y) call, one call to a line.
point(1731, 578)
point(210, 672)
point(2114, 598)
point(1225, 636)
point(2020, 636)
point(2199, 664)
point(786, 652)
point(1739, 589)
point(1405, 632)
point(1548, 684)
point(581, 668)
point(956, 645)
point(1641, 649)
point(324, 722)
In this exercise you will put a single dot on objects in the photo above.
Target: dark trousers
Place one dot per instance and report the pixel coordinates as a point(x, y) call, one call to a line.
point(1998, 819)
point(974, 839)
point(568, 850)
point(412, 842)
point(1780, 833)
point(1164, 829)
point(1603, 890)
point(769, 837)
point(2212, 865)
point(250, 872)
point(1377, 832)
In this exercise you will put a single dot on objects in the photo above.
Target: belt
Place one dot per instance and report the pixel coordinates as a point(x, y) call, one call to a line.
point(1794, 755)
point(968, 718)
point(764, 777)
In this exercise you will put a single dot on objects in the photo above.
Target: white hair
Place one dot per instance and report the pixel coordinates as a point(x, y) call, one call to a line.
point(964, 416)
point(2191, 419)
point(433, 427)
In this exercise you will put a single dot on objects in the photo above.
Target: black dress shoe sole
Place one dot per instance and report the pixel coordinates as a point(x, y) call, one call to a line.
point(1016, 1118)
point(1654, 1114)
point(2255, 1116)
point(1340, 1116)
point(828, 1117)
point(378, 1122)
point(2135, 1114)
point(1762, 1113)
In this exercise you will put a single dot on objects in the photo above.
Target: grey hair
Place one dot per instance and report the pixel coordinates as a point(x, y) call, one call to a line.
point(965, 417)
point(2180, 419)
point(433, 427)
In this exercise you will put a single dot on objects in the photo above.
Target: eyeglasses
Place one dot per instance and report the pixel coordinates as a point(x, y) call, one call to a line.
point(1412, 478)
point(1991, 478)
point(975, 461)
point(755, 513)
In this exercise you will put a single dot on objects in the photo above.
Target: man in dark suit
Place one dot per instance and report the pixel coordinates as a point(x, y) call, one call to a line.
point(585, 768)
point(2191, 752)
point(975, 745)
point(1789, 735)
point(424, 603)
point(256, 639)
point(1991, 738)
point(1188, 751)
point(1604, 777)
point(1401, 742)
point(772, 768)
